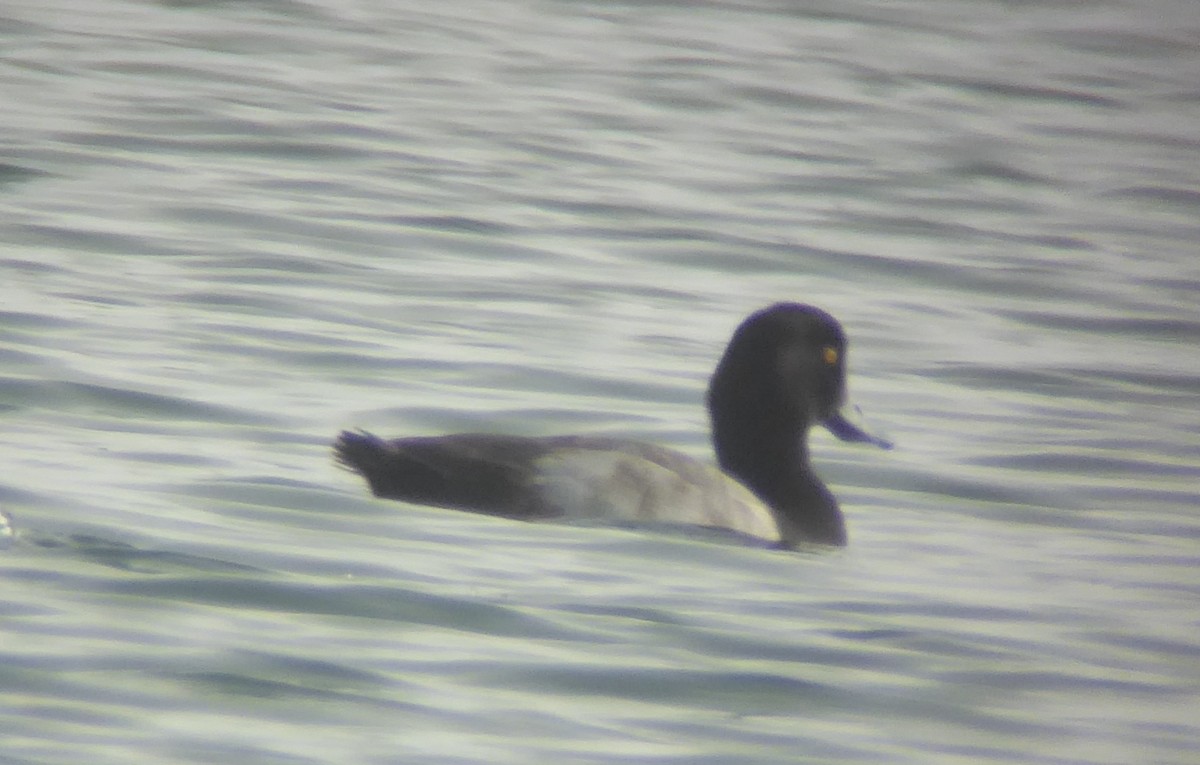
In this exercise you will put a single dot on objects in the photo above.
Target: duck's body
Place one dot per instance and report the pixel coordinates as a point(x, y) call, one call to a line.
point(783, 371)
point(557, 477)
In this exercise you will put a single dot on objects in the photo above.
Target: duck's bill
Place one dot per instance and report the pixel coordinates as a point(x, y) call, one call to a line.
point(848, 431)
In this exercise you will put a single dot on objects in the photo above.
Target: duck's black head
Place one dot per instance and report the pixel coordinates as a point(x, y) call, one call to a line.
point(783, 371)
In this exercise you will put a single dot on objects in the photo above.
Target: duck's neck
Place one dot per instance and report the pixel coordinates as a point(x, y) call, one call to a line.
point(807, 511)
point(774, 465)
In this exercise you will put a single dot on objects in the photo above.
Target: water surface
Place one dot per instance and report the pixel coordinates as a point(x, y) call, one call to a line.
point(233, 229)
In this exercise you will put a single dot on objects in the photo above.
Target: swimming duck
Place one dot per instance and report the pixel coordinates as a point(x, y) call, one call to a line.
point(783, 371)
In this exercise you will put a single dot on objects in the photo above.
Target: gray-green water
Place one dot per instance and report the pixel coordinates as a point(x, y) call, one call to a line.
point(232, 229)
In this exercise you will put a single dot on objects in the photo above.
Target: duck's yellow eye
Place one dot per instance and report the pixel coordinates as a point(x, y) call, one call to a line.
point(830, 354)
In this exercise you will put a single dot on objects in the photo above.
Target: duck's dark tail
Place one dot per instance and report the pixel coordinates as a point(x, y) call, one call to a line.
point(362, 452)
point(481, 473)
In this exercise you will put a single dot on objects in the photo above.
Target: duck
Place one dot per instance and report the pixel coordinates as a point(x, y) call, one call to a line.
point(782, 372)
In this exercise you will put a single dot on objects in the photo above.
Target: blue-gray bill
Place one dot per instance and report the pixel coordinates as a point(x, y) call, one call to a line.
point(845, 430)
